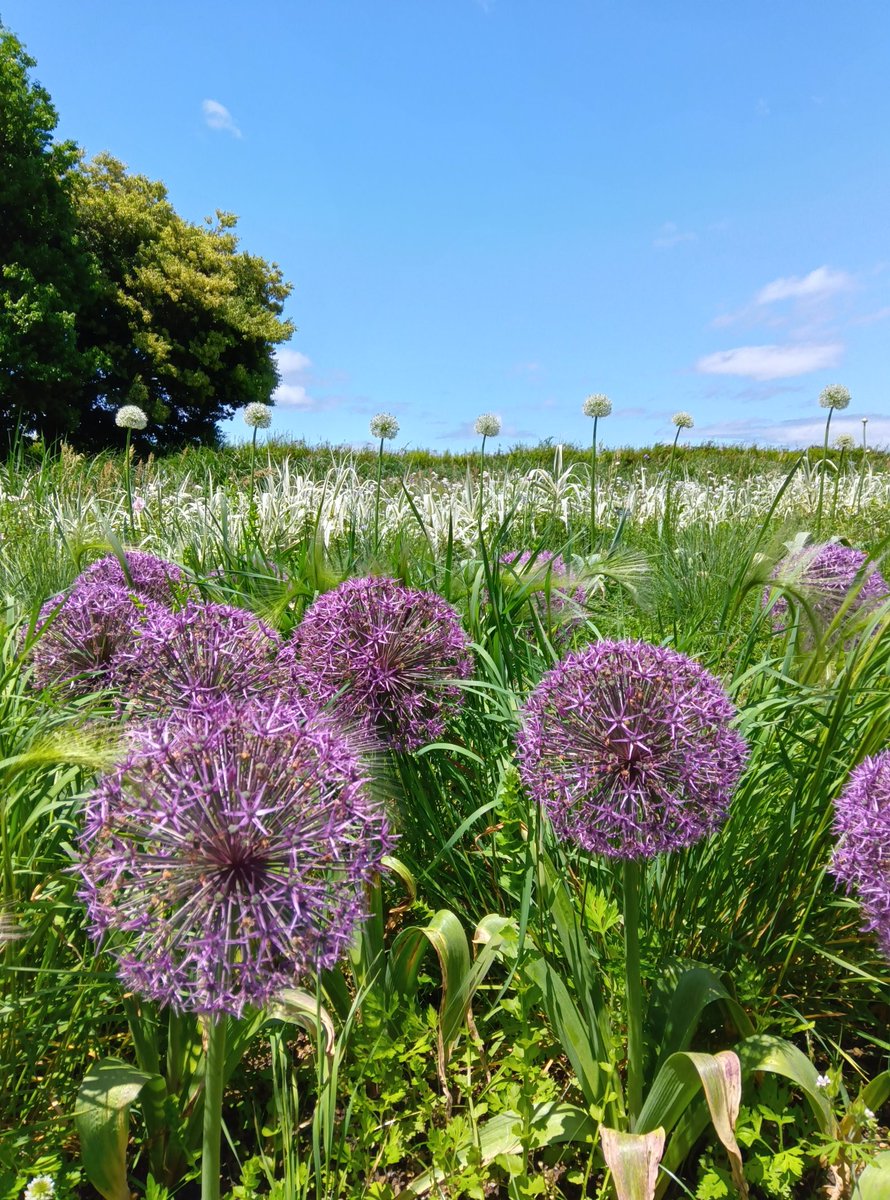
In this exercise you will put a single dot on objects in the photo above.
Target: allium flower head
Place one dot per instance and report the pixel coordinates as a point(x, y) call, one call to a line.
point(384, 425)
point(845, 441)
point(146, 575)
point(628, 749)
point(558, 602)
point(202, 653)
point(488, 425)
point(258, 416)
point(84, 636)
point(597, 406)
point(41, 1187)
point(227, 855)
point(827, 575)
point(834, 396)
point(682, 420)
point(862, 858)
point(384, 656)
point(130, 416)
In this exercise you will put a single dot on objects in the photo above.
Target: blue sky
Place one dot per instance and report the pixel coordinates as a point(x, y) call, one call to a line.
point(504, 205)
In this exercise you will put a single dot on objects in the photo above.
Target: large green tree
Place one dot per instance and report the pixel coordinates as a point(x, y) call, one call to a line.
point(45, 272)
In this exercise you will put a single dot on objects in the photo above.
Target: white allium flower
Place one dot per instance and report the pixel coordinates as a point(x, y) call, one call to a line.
point(42, 1187)
point(128, 416)
point(822, 1081)
point(845, 441)
point(258, 416)
point(488, 425)
point(384, 425)
point(683, 420)
point(597, 406)
point(834, 396)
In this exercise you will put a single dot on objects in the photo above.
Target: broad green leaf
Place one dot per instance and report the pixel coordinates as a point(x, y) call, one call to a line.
point(569, 1026)
point(875, 1093)
point(696, 989)
point(302, 1008)
point(633, 1159)
point(101, 1117)
point(874, 1182)
point(766, 1053)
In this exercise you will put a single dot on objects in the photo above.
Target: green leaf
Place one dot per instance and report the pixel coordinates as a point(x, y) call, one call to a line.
point(300, 1007)
point(633, 1159)
point(569, 1026)
point(766, 1053)
point(696, 989)
point(874, 1182)
point(101, 1116)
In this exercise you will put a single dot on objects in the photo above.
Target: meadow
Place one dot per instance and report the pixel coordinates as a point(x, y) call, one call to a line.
point(712, 1002)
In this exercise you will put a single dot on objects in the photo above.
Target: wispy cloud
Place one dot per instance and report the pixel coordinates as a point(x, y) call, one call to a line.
point(292, 390)
point(880, 314)
point(798, 432)
point(671, 234)
point(771, 362)
point(217, 116)
point(818, 285)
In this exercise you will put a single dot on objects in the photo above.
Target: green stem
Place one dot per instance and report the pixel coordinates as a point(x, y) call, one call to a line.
point(129, 485)
point(481, 482)
point(593, 490)
point(861, 469)
point(837, 484)
point(213, 1097)
point(670, 479)
point(377, 500)
point(634, 990)
point(822, 475)
point(251, 508)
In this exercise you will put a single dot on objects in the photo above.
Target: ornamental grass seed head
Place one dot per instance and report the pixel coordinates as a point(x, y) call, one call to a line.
point(861, 859)
point(834, 396)
point(597, 406)
point(682, 420)
point(130, 416)
point(384, 657)
point(488, 425)
point(828, 576)
point(258, 416)
point(384, 426)
point(228, 855)
point(147, 575)
point(628, 749)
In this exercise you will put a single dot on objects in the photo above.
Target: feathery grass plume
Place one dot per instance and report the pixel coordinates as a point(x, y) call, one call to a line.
point(228, 854)
point(861, 859)
point(628, 748)
point(558, 601)
point(384, 656)
point(826, 575)
point(146, 574)
point(130, 416)
point(258, 416)
point(202, 653)
point(83, 638)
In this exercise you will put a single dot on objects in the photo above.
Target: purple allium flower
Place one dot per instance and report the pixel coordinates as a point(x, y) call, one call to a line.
point(82, 637)
point(202, 653)
point(862, 858)
point(826, 575)
point(227, 855)
point(148, 575)
point(628, 748)
point(383, 654)
point(555, 604)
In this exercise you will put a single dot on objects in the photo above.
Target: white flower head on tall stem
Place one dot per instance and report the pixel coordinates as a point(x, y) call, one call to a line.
point(488, 425)
point(683, 420)
point(384, 426)
point(597, 405)
point(844, 441)
point(258, 416)
point(834, 396)
point(130, 416)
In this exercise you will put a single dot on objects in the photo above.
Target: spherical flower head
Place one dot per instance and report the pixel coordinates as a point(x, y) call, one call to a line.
point(488, 425)
point(597, 406)
point(383, 657)
point(130, 416)
point(845, 441)
point(228, 855)
point(861, 859)
point(628, 749)
point(682, 420)
point(258, 416)
point(558, 603)
point(41, 1187)
point(384, 425)
point(146, 575)
point(84, 637)
point(202, 653)
point(826, 575)
point(834, 396)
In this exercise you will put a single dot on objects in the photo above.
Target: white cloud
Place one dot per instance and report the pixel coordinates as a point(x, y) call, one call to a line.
point(290, 361)
point(670, 235)
point(292, 392)
point(818, 285)
point(217, 116)
point(803, 431)
point(771, 362)
point(872, 318)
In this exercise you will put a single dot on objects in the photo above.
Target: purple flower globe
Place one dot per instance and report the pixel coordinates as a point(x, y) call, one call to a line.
point(384, 657)
point(862, 858)
point(826, 575)
point(227, 856)
point(557, 602)
point(83, 637)
point(628, 749)
point(202, 653)
point(146, 575)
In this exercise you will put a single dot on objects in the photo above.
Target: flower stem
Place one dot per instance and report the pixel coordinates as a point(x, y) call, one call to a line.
point(822, 475)
point(593, 489)
point(666, 523)
point(861, 469)
point(213, 1097)
point(377, 500)
point(634, 990)
point(481, 482)
point(129, 484)
point(251, 508)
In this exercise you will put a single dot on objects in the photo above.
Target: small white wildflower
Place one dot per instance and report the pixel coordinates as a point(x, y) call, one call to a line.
point(845, 441)
point(258, 416)
point(384, 425)
point(129, 416)
point(488, 425)
point(683, 420)
point(597, 405)
point(41, 1187)
point(834, 396)
point(868, 1114)
point(822, 1081)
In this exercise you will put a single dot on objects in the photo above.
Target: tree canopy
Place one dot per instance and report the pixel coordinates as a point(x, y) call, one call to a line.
point(109, 297)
